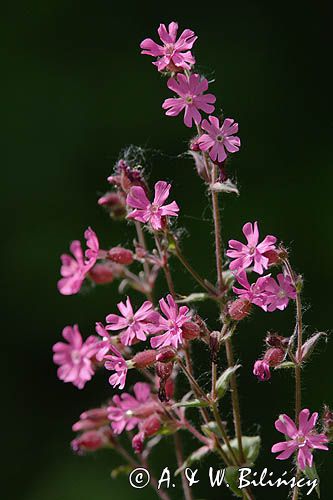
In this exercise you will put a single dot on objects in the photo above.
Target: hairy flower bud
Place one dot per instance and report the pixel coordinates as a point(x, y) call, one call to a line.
point(327, 422)
point(101, 274)
point(239, 309)
point(190, 330)
point(274, 356)
point(115, 203)
point(166, 355)
point(275, 340)
point(121, 255)
point(92, 440)
point(137, 442)
point(151, 425)
point(91, 419)
point(214, 344)
point(261, 370)
point(163, 371)
point(144, 359)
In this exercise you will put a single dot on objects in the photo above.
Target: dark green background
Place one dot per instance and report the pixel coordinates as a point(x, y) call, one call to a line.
point(76, 92)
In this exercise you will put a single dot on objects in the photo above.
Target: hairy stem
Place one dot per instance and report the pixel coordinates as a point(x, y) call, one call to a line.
point(142, 241)
point(180, 461)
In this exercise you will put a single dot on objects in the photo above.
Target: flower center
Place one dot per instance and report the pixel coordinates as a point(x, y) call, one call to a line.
point(282, 294)
point(154, 208)
point(172, 323)
point(189, 99)
point(76, 357)
point(169, 49)
point(252, 250)
point(220, 138)
point(301, 440)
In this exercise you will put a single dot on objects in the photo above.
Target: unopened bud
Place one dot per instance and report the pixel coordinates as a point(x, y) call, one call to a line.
point(214, 345)
point(144, 359)
point(275, 340)
point(92, 440)
point(151, 425)
point(190, 330)
point(137, 442)
point(239, 309)
point(121, 255)
point(101, 274)
point(327, 422)
point(274, 356)
point(163, 371)
point(166, 355)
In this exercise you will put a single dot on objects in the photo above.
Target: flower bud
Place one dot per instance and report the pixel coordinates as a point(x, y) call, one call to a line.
point(91, 419)
point(190, 330)
point(163, 371)
point(214, 344)
point(121, 255)
point(274, 356)
point(92, 440)
point(137, 442)
point(261, 370)
point(239, 309)
point(101, 274)
point(144, 359)
point(165, 355)
point(275, 340)
point(151, 425)
point(115, 202)
point(194, 144)
point(327, 422)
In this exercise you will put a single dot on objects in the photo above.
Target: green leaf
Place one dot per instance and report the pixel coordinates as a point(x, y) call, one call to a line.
point(193, 297)
point(193, 403)
point(311, 473)
point(194, 457)
point(122, 470)
point(222, 383)
point(285, 364)
point(231, 478)
point(251, 447)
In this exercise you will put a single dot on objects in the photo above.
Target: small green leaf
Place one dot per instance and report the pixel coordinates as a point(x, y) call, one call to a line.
point(193, 297)
point(193, 403)
point(250, 445)
point(285, 364)
point(222, 383)
point(312, 474)
point(194, 457)
point(122, 470)
point(231, 478)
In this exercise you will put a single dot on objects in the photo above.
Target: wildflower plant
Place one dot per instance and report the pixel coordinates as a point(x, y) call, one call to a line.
point(155, 336)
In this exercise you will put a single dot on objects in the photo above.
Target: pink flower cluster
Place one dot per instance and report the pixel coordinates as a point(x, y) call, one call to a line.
point(266, 292)
point(174, 56)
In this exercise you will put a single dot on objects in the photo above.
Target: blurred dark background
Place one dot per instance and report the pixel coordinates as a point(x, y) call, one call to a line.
point(76, 91)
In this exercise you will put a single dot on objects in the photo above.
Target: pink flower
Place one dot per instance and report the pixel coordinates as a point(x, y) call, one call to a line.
point(133, 325)
point(303, 440)
point(253, 252)
point(121, 412)
point(171, 325)
point(173, 54)
point(255, 293)
point(74, 358)
point(261, 370)
point(115, 362)
point(104, 345)
point(74, 269)
point(151, 212)
point(192, 98)
point(92, 440)
point(279, 292)
point(219, 138)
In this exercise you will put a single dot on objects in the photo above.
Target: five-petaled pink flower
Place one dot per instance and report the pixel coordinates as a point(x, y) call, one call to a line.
point(255, 293)
point(74, 269)
point(115, 362)
point(279, 292)
point(151, 212)
point(219, 138)
point(191, 98)
point(303, 440)
point(253, 252)
point(134, 326)
point(121, 411)
point(173, 54)
point(172, 324)
point(74, 358)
